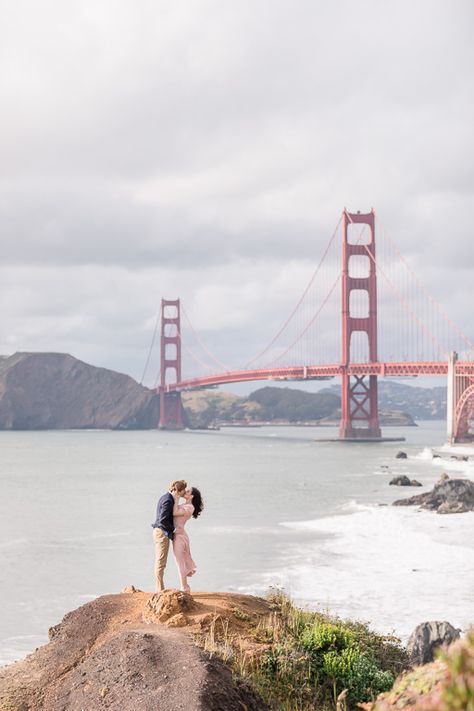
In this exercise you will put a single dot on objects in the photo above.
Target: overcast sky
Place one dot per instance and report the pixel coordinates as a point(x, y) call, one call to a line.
point(206, 148)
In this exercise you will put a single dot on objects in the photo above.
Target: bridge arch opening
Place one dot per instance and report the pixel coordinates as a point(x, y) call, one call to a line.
point(359, 303)
point(170, 311)
point(359, 347)
point(358, 233)
point(170, 330)
point(171, 375)
point(359, 266)
point(171, 351)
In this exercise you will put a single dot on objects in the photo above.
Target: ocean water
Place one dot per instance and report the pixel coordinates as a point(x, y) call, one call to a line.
point(281, 508)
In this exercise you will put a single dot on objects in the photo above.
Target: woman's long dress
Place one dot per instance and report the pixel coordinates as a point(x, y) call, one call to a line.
point(181, 549)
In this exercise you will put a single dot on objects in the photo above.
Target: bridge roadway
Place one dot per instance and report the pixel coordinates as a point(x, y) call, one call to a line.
point(321, 372)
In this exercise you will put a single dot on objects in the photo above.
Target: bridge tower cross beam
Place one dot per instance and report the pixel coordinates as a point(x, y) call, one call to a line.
point(359, 401)
point(171, 409)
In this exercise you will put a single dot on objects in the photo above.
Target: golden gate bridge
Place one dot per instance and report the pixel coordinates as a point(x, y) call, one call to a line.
point(389, 325)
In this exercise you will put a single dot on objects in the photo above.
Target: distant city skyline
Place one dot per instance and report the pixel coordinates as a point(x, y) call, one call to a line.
point(206, 150)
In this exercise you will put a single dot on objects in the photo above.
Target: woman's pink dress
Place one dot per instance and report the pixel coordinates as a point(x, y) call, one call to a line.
point(181, 549)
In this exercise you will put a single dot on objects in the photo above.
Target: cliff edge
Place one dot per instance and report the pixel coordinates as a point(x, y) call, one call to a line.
point(128, 652)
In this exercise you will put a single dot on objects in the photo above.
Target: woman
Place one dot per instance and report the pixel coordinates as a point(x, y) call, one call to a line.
point(181, 550)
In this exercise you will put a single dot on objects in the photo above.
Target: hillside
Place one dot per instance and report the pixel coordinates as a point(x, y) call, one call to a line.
point(420, 403)
point(273, 405)
point(56, 391)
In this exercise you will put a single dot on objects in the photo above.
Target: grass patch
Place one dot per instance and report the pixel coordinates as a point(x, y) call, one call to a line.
point(301, 661)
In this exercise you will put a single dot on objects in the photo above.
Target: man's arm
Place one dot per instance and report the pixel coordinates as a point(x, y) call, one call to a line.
point(167, 508)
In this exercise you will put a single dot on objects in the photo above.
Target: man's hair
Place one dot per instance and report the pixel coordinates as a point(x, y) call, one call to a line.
point(178, 485)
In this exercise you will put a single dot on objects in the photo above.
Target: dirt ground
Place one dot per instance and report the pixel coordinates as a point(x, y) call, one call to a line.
point(135, 652)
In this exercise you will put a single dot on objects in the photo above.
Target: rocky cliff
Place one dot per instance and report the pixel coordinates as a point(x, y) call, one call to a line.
point(126, 653)
point(56, 391)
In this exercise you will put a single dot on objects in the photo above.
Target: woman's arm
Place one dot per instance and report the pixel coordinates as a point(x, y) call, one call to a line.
point(177, 509)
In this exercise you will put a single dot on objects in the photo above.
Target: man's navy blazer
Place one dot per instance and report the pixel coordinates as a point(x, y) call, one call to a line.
point(164, 515)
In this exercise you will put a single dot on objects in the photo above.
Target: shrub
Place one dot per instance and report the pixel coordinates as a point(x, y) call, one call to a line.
point(307, 659)
point(339, 658)
point(317, 656)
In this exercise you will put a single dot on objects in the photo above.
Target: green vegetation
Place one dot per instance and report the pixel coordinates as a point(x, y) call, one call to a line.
point(458, 692)
point(446, 684)
point(309, 660)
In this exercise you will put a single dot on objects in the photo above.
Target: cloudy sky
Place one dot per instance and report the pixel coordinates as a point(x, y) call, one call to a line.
point(206, 148)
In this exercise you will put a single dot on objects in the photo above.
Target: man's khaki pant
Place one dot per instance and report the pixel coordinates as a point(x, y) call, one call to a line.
point(162, 545)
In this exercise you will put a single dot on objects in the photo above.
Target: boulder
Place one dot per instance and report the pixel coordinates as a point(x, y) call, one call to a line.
point(168, 607)
point(447, 496)
point(427, 637)
point(401, 455)
point(401, 480)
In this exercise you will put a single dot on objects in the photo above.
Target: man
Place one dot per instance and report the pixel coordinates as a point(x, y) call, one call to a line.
point(163, 529)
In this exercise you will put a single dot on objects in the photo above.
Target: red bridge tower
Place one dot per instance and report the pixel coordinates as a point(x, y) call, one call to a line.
point(359, 400)
point(171, 411)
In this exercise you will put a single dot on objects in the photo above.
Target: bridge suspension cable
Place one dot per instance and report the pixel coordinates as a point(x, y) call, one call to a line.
point(409, 310)
point(423, 288)
point(152, 345)
point(300, 301)
point(315, 315)
point(201, 343)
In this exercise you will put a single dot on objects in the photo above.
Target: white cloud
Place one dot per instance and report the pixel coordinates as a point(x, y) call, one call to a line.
point(206, 149)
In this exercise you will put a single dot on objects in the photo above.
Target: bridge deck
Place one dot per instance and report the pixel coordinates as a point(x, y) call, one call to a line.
point(321, 372)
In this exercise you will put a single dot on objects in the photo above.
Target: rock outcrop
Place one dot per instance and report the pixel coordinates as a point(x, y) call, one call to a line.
point(404, 480)
point(427, 637)
point(448, 496)
point(119, 653)
point(56, 391)
point(446, 684)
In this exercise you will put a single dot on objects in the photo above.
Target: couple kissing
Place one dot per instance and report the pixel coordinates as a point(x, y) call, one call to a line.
point(171, 518)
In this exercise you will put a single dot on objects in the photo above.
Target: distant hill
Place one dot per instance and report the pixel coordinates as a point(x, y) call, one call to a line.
point(420, 403)
point(56, 391)
point(268, 404)
point(273, 405)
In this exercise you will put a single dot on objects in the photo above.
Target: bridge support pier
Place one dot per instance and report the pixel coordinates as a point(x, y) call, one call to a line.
point(460, 404)
point(359, 396)
point(171, 410)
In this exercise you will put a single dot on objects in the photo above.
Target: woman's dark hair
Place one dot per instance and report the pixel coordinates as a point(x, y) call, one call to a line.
point(196, 502)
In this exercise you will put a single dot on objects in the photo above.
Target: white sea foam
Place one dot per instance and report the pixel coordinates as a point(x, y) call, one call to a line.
point(452, 465)
point(463, 450)
point(393, 567)
point(426, 454)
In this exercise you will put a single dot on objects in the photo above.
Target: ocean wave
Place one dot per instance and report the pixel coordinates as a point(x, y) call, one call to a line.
point(463, 450)
point(453, 465)
point(426, 454)
point(373, 564)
